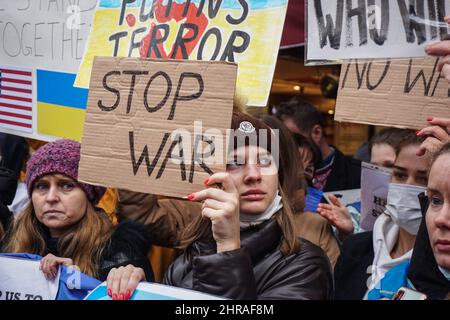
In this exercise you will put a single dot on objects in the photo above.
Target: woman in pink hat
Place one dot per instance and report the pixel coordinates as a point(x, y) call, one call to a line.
point(62, 224)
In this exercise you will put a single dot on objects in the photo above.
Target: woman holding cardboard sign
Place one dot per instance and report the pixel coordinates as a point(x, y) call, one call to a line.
point(62, 224)
point(239, 240)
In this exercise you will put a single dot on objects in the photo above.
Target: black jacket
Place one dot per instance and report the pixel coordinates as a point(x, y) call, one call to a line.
point(8, 186)
point(13, 150)
point(345, 173)
point(423, 271)
point(258, 270)
point(129, 244)
point(350, 272)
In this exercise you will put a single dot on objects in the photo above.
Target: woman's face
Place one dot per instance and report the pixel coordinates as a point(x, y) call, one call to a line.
point(383, 155)
point(255, 176)
point(409, 168)
point(58, 202)
point(438, 214)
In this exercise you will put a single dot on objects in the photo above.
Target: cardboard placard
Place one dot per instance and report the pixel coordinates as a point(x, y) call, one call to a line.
point(246, 32)
point(156, 126)
point(346, 29)
point(397, 93)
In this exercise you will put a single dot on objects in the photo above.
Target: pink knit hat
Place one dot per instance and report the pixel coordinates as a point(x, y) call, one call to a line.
point(61, 156)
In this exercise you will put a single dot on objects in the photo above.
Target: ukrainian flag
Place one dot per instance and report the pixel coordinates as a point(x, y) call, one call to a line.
point(61, 106)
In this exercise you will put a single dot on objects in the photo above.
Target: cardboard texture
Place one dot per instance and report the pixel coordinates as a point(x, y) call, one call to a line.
point(205, 97)
point(397, 93)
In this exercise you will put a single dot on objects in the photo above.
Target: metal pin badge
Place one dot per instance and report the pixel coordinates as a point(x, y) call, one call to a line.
point(246, 127)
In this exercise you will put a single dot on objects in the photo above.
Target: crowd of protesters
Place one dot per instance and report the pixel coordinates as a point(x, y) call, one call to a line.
point(251, 237)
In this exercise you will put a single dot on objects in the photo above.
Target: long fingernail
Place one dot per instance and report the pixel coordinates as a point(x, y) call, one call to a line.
point(109, 292)
point(206, 181)
point(114, 296)
point(121, 296)
point(191, 197)
point(128, 295)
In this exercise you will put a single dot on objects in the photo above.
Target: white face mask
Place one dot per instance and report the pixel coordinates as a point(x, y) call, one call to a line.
point(445, 272)
point(403, 206)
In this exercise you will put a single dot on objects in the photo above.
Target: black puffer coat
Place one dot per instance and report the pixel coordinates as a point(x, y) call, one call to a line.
point(129, 244)
point(258, 270)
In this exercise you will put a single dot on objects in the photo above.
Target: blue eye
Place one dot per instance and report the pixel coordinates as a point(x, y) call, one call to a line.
point(265, 162)
point(435, 201)
point(41, 186)
point(236, 163)
point(67, 186)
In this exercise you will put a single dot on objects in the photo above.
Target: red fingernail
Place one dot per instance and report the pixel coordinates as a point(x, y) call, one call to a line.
point(191, 197)
point(206, 181)
point(121, 297)
point(418, 133)
point(109, 292)
point(128, 296)
point(114, 296)
point(430, 119)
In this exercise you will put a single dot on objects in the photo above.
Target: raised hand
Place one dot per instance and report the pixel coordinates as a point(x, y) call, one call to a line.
point(221, 206)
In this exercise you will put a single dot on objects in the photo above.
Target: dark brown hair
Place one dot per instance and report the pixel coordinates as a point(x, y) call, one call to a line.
point(408, 138)
point(304, 114)
point(292, 175)
point(389, 136)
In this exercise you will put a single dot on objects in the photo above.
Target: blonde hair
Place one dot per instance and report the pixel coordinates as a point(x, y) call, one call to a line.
point(83, 243)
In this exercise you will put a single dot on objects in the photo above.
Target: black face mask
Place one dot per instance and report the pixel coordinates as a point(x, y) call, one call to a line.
point(8, 186)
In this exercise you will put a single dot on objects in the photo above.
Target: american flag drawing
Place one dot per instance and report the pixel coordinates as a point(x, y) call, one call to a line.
point(16, 98)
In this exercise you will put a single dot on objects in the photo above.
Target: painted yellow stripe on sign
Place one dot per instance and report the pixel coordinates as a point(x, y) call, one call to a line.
point(60, 121)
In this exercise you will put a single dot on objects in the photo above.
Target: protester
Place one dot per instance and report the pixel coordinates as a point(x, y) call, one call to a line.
point(13, 151)
point(310, 156)
point(429, 269)
point(382, 151)
point(391, 242)
point(336, 172)
point(309, 225)
point(62, 225)
point(241, 242)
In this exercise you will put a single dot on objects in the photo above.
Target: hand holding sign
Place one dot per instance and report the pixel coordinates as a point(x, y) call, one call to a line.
point(123, 281)
point(50, 265)
point(437, 134)
point(442, 48)
point(222, 208)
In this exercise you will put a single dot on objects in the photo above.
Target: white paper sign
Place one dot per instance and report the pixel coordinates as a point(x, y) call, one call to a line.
point(21, 279)
point(49, 34)
point(346, 197)
point(374, 190)
point(339, 29)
